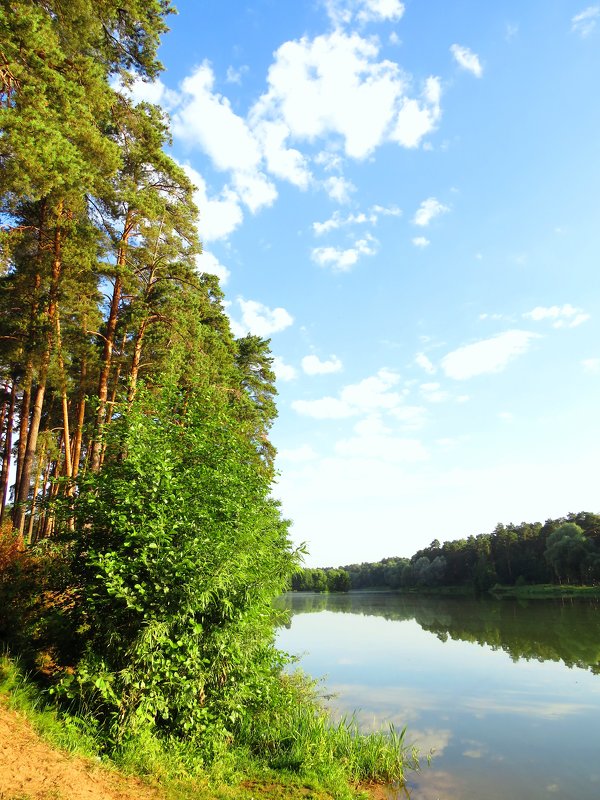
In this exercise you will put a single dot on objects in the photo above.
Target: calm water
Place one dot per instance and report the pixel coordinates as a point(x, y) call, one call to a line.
point(506, 693)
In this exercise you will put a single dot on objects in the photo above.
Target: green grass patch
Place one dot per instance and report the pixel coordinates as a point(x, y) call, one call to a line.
point(296, 753)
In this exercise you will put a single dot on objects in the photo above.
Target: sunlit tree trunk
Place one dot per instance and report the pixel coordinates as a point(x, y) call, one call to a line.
point(7, 449)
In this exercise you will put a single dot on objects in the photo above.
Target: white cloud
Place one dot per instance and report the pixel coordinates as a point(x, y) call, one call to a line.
point(154, 92)
point(312, 365)
point(585, 22)
point(344, 12)
point(369, 395)
point(339, 189)
point(283, 162)
point(428, 210)
point(261, 320)
point(209, 263)
point(591, 365)
point(382, 447)
point(333, 85)
point(488, 355)
point(235, 75)
point(566, 316)
point(283, 371)
point(433, 393)
point(410, 417)
point(417, 118)
point(467, 59)
point(329, 160)
point(219, 216)
point(337, 221)
point(205, 119)
point(324, 408)
point(341, 260)
point(298, 455)
point(506, 416)
point(423, 362)
point(254, 189)
point(420, 241)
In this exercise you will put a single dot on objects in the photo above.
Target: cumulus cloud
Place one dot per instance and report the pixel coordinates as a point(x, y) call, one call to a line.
point(205, 119)
point(339, 189)
point(584, 23)
point(488, 355)
point(420, 241)
point(284, 162)
point(283, 371)
point(312, 365)
point(467, 59)
point(337, 220)
point(344, 12)
point(154, 92)
point(422, 361)
point(433, 393)
point(323, 408)
point(417, 118)
point(209, 263)
point(259, 319)
point(369, 395)
point(566, 316)
point(342, 260)
point(334, 85)
point(428, 210)
point(219, 215)
point(297, 455)
point(234, 75)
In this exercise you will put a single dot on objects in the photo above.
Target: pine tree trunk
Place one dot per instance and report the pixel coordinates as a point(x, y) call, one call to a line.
point(135, 362)
point(78, 436)
point(109, 343)
point(7, 450)
point(23, 423)
point(36, 416)
point(113, 395)
point(36, 488)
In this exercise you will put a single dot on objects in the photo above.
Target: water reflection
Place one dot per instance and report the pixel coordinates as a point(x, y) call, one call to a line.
point(506, 694)
point(545, 630)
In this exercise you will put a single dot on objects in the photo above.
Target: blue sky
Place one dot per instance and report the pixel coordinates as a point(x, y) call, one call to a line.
point(405, 197)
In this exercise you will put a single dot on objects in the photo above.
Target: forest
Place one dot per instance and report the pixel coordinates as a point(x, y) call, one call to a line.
point(140, 547)
point(562, 551)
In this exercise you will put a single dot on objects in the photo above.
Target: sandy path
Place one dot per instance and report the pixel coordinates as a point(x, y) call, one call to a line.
point(30, 769)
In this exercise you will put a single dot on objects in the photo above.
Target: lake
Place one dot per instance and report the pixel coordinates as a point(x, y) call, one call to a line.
point(505, 693)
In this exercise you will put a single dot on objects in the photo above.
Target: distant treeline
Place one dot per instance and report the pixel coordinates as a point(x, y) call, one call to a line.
point(564, 550)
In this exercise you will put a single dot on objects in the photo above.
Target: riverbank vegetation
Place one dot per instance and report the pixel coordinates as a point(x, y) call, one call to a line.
point(559, 555)
point(140, 547)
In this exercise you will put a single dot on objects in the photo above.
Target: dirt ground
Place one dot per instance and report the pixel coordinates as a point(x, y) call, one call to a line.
point(31, 770)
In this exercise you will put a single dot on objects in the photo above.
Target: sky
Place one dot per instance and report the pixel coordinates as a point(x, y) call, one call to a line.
point(405, 198)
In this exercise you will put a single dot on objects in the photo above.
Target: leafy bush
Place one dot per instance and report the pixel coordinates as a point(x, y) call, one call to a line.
point(178, 553)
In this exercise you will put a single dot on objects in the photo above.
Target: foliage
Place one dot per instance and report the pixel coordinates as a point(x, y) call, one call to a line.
point(565, 549)
point(321, 580)
point(178, 553)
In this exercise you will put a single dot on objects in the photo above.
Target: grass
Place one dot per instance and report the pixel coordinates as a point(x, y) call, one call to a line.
point(297, 754)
